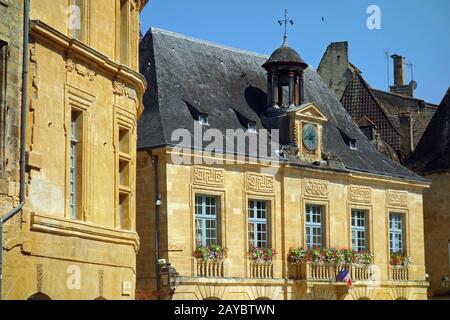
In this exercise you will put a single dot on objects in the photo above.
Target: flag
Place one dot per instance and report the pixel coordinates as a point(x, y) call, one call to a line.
point(344, 276)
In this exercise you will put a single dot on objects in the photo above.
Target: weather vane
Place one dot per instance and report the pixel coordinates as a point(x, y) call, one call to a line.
point(285, 21)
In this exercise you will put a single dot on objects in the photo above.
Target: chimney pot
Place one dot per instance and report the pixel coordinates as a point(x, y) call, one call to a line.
point(399, 70)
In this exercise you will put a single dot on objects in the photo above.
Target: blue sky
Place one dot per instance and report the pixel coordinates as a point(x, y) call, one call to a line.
point(416, 29)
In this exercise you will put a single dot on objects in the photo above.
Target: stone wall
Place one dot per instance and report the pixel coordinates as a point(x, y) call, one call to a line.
point(46, 249)
point(11, 38)
point(437, 229)
point(288, 190)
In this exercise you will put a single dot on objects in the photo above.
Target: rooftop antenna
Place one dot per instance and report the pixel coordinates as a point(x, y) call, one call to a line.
point(386, 53)
point(285, 21)
point(412, 83)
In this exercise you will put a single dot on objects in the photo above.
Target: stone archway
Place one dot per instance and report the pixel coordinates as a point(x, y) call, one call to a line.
point(39, 296)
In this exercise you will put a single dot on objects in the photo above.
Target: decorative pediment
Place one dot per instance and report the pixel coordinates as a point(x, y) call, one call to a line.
point(306, 128)
point(310, 111)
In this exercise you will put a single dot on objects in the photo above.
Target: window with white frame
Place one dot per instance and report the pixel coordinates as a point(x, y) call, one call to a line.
point(252, 127)
point(314, 226)
point(359, 230)
point(206, 220)
point(258, 227)
point(396, 233)
point(203, 119)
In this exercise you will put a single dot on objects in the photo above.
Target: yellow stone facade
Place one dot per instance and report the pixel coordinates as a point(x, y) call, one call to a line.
point(82, 80)
point(437, 230)
point(287, 189)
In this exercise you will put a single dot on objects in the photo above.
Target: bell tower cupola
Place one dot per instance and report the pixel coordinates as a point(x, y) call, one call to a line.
point(285, 75)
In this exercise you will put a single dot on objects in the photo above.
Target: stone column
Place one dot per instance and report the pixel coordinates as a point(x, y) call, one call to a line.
point(269, 89)
point(291, 88)
point(301, 90)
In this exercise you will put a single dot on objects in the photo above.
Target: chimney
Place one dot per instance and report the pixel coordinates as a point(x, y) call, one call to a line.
point(333, 68)
point(399, 70)
point(400, 86)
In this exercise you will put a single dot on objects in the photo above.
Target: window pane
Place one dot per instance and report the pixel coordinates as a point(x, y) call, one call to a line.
point(206, 220)
point(313, 226)
point(396, 233)
point(257, 223)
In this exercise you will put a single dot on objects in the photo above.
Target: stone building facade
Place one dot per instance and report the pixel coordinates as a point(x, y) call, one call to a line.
point(76, 236)
point(322, 175)
point(394, 121)
point(432, 160)
point(11, 48)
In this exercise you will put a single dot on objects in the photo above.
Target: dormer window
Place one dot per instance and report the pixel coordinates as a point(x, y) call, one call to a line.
point(352, 144)
point(203, 119)
point(251, 127)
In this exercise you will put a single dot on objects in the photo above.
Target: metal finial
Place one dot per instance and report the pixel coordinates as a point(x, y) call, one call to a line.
point(285, 21)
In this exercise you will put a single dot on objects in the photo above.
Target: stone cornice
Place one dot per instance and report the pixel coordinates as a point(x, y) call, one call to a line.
point(119, 71)
point(73, 228)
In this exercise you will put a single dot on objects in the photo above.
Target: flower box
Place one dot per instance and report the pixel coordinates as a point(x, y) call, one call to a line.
point(261, 255)
point(210, 253)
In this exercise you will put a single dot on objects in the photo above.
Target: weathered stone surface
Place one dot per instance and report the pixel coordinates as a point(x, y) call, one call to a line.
point(45, 250)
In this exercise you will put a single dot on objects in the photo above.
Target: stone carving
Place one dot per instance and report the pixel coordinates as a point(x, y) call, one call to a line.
point(260, 182)
point(208, 176)
point(120, 89)
point(289, 151)
point(360, 194)
point(81, 69)
point(397, 198)
point(316, 188)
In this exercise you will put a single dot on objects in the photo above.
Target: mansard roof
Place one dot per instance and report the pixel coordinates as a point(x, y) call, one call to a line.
point(188, 76)
point(433, 151)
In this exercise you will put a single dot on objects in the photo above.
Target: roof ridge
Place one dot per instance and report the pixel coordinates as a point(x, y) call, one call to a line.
point(205, 42)
point(404, 97)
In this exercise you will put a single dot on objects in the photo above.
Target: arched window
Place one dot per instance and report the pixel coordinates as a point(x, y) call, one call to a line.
point(39, 296)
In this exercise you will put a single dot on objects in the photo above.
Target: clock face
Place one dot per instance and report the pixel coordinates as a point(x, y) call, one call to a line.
point(310, 137)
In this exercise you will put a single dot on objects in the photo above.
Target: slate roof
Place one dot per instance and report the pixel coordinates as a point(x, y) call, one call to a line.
point(433, 151)
point(188, 76)
point(285, 54)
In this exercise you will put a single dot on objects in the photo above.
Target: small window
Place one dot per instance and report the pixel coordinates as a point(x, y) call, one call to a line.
point(76, 158)
point(258, 228)
point(314, 226)
point(124, 178)
point(123, 210)
point(203, 119)
point(252, 127)
point(352, 144)
point(206, 220)
point(368, 132)
point(78, 20)
point(359, 230)
point(396, 233)
point(124, 32)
